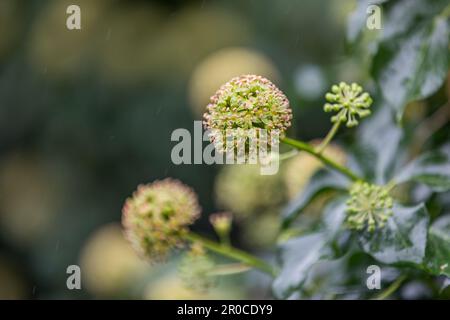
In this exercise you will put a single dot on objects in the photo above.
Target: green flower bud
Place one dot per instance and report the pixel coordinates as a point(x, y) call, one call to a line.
point(221, 223)
point(369, 206)
point(157, 217)
point(244, 103)
point(349, 101)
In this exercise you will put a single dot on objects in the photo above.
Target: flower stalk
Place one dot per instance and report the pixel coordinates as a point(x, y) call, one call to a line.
point(329, 137)
point(392, 288)
point(300, 145)
point(233, 253)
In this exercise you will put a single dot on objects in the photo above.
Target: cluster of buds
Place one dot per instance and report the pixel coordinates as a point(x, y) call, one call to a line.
point(244, 104)
point(157, 216)
point(195, 269)
point(369, 206)
point(349, 101)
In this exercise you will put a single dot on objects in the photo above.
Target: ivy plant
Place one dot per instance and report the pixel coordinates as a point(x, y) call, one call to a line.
point(381, 204)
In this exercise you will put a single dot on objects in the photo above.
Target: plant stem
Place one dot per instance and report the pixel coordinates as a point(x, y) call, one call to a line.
point(232, 253)
point(308, 148)
point(391, 289)
point(329, 137)
point(225, 238)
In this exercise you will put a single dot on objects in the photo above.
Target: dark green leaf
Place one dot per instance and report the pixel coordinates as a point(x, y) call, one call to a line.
point(402, 240)
point(320, 182)
point(358, 18)
point(413, 66)
point(438, 248)
point(377, 148)
point(299, 255)
point(396, 23)
point(432, 169)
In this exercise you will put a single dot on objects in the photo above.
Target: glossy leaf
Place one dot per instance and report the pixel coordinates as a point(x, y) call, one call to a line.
point(413, 66)
point(432, 169)
point(357, 20)
point(378, 147)
point(402, 240)
point(299, 255)
point(396, 23)
point(438, 248)
point(320, 182)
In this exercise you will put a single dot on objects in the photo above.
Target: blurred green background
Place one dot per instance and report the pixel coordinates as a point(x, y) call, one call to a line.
point(86, 115)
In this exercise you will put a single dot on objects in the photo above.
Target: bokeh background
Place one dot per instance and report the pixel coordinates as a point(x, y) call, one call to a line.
point(86, 115)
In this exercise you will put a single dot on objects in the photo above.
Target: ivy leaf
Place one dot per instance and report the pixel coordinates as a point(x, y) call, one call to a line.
point(438, 248)
point(396, 23)
point(299, 255)
point(358, 18)
point(321, 181)
point(375, 158)
point(432, 169)
point(402, 240)
point(413, 66)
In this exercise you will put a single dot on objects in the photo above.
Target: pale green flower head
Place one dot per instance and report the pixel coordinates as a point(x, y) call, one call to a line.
point(369, 206)
point(157, 217)
point(247, 102)
point(349, 101)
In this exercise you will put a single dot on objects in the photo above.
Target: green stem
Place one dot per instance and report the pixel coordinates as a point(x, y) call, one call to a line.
point(391, 289)
point(329, 137)
point(233, 253)
point(225, 238)
point(308, 148)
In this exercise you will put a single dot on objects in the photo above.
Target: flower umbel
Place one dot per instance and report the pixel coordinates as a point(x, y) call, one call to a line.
point(245, 103)
point(195, 269)
point(350, 101)
point(157, 217)
point(369, 206)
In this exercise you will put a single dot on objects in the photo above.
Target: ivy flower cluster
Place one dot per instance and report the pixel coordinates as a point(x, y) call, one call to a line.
point(157, 217)
point(369, 206)
point(244, 103)
point(349, 101)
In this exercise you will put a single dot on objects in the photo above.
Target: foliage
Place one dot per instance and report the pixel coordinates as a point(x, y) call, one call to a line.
point(409, 62)
point(380, 202)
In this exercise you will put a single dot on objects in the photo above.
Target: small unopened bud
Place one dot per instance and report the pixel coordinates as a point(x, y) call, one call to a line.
point(221, 223)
